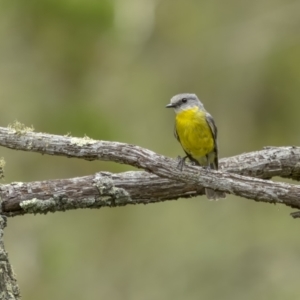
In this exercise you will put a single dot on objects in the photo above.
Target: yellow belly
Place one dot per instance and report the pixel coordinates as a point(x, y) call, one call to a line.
point(194, 133)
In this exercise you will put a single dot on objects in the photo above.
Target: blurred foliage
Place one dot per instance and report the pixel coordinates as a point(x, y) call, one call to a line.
point(107, 69)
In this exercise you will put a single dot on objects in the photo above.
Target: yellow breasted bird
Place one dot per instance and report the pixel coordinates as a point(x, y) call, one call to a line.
point(196, 131)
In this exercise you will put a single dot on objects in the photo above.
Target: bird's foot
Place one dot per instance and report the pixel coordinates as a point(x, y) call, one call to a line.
point(181, 162)
point(206, 169)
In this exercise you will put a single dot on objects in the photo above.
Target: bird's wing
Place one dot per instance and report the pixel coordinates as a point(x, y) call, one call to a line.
point(212, 125)
point(210, 121)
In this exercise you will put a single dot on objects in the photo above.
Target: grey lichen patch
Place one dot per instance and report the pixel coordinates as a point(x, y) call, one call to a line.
point(18, 128)
point(35, 205)
point(17, 183)
point(87, 202)
point(109, 195)
point(105, 185)
point(62, 203)
point(2, 164)
point(82, 141)
point(112, 195)
point(29, 145)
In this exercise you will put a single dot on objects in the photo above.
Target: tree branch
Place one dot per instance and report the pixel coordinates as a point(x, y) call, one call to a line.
point(8, 284)
point(105, 189)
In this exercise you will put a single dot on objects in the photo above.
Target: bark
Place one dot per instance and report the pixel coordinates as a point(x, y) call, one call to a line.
point(245, 175)
point(9, 289)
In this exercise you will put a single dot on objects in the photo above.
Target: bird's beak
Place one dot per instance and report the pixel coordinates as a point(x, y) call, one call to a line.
point(170, 105)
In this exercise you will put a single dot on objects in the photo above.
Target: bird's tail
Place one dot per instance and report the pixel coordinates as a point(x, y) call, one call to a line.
point(212, 194)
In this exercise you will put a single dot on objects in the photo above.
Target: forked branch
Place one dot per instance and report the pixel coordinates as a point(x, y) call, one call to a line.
point(245, 175)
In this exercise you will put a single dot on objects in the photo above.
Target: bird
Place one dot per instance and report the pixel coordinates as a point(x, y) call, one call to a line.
point(196, 131)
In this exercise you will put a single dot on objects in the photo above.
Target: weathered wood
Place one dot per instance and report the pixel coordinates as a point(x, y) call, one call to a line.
point(165, 183)
point(9, 289)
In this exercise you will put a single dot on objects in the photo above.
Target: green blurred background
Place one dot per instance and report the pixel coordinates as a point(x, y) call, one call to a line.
point(107, 69)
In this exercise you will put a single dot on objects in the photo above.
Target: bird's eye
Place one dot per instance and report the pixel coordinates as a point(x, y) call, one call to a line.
point(184, 100)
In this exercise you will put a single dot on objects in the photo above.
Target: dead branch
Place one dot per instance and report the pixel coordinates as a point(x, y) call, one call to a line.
point(165, 183)
point(8, 284)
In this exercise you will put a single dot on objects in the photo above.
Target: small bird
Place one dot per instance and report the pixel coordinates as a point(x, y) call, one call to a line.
point(196, 131)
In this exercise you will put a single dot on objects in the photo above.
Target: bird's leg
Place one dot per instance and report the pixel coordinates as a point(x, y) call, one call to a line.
point(207, 167)
point(181, 162)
